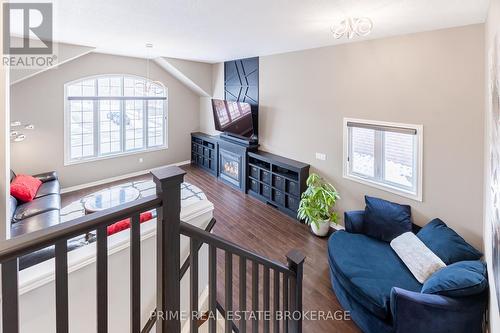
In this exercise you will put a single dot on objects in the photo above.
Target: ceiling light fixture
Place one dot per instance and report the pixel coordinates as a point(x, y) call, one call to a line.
point(149, 84)
point(17, 136)
point(353, 26)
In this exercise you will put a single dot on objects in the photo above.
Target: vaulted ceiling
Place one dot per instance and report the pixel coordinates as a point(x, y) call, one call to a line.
point(217, 30)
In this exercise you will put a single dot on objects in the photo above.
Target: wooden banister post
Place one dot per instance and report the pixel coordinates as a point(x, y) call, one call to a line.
point(168, 181)
point(295, 260)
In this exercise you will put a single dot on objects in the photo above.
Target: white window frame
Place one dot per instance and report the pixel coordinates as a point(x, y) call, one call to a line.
point(67, 125)
point(415, 195)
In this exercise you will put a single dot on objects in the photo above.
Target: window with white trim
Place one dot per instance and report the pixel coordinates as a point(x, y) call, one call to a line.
point(384, 155)
point(113, 115)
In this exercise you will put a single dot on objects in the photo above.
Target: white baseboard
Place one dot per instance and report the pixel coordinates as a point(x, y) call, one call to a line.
point(114, 179)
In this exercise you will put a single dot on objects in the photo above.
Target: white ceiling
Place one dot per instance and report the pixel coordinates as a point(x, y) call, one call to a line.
point(217, 30)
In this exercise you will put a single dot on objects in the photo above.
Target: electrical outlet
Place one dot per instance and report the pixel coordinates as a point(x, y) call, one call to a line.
point(141, 160)
point(321, 156)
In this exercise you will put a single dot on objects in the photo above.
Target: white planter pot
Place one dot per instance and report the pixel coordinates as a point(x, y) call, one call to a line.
point(322, 230)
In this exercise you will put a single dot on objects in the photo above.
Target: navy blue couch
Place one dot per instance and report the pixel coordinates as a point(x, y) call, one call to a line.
point(382, 295)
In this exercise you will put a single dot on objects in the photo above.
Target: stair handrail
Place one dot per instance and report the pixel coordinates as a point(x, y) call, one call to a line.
point(167, 201)
point(36, 240)
point(292, 281)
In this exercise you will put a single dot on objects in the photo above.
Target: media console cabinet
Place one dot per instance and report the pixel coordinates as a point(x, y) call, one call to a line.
point(273, 179)
point(204, 151)
point(277, 180)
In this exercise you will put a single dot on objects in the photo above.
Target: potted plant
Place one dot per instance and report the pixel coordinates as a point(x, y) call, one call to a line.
point(316, 205)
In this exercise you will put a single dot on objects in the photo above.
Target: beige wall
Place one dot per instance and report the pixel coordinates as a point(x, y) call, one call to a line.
point(65, 52)
point(40, 100)
point(492, 31)
point(199, 73)
point(434, 78)
point(207, 124)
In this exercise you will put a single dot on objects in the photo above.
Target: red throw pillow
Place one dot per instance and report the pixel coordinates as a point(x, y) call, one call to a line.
point(24, 187)
point(125, 224)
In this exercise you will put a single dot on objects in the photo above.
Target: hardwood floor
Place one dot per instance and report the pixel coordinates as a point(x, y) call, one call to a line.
point(263, 229)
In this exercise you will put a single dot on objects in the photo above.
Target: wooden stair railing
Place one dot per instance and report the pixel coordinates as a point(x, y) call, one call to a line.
point(287, 278)
point(167, 201)
point(185, 266)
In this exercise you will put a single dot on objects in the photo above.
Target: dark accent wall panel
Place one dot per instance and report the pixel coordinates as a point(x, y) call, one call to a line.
point(241, 83)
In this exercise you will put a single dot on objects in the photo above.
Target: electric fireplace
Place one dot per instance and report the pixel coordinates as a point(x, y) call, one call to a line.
point(230, 167)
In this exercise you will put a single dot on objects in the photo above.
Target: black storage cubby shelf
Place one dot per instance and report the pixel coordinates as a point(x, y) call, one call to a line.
point(204, 152)
point(277, 180)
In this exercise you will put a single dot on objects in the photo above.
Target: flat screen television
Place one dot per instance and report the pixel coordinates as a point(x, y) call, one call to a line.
point(233, 118)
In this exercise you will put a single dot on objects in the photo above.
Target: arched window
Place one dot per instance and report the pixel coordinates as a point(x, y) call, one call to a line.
point(113, 115)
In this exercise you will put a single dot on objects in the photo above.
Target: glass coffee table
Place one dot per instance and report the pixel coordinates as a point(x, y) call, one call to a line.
point(109, 198)
point(106, 199)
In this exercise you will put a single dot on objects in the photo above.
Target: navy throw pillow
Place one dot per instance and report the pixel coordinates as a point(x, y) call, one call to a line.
point(385, 220)
point(446, 243)
point(460, 279)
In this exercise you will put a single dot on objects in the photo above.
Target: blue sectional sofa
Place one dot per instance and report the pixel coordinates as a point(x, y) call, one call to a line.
point(382, 295)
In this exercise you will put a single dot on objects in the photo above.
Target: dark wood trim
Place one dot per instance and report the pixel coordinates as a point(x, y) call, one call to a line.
point(135, 274)
point(30, 242)
point(221, 243)
point(243, 293)
point(193, 277)
point(212, 288)
point(223, 313)
point(266, 295)
point(61, 263)
point(255, 295)
point(296, 264)
point(10, 296)
point(229, 290)
point(276, 299)
point(185, 265)
point(285, 302)
point(168, 182)
point(102, 279)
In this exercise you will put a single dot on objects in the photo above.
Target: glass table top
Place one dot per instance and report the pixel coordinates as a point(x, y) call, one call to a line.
point(109, 198)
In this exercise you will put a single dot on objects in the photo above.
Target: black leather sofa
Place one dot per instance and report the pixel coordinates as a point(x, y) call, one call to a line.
point(42, 212)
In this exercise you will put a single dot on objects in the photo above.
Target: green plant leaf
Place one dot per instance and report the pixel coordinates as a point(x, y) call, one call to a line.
point(317, 201)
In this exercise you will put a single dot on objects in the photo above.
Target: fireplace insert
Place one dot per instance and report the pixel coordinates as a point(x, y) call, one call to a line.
point(230, 167)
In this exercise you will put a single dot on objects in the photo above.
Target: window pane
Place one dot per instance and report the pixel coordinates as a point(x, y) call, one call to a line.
point(75, 90)
point(76, 152)
point(109, 126)
point(363, 151)
point(88, 150)
point(128, 86)
point(103, 86)
point(110, 86)
point(398, 158)
point(134, 87)
point(81, 129)
point(156, 120)
point(88, 88)
point(134, 125)
point(120, 124)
